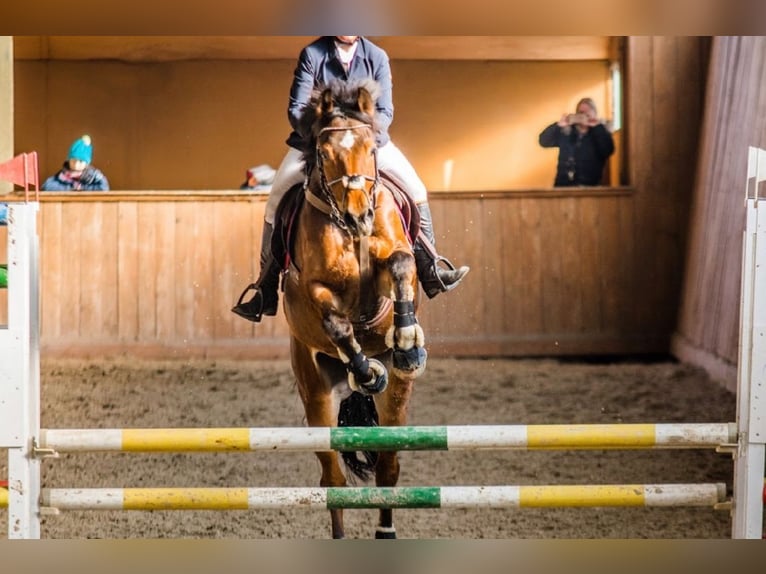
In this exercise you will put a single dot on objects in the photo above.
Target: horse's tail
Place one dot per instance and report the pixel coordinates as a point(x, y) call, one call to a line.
point(358, 410)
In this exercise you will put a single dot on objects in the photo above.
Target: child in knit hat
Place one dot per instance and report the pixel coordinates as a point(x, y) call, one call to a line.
point(77, 173)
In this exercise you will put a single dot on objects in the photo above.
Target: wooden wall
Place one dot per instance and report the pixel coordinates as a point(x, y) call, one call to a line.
point(200, 124)
point(665, 100)
point(735, 118)
point(157, 276)
point(555, 272)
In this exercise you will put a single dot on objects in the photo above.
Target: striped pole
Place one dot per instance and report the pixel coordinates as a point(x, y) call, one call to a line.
point(530, 437)
point(396, 497)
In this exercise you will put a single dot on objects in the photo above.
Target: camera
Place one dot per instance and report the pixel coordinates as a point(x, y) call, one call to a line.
point(577, 119)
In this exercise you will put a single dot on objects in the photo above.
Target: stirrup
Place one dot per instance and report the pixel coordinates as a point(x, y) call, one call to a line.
point(433, 284)
point(252, 310)
point(461, 272)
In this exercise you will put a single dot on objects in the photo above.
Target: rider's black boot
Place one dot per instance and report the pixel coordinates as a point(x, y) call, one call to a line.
point(434, 277)
point(265, 300)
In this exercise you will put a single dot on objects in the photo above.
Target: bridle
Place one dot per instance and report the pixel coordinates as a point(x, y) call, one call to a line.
point(326, 201)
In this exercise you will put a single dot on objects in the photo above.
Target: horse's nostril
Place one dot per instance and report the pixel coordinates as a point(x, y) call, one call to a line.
point(361, 225)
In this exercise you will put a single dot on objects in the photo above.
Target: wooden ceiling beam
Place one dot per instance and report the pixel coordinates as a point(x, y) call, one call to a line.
point(169, 48)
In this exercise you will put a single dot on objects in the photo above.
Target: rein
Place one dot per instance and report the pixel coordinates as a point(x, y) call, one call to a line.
point(326, 202)
point(369, 311)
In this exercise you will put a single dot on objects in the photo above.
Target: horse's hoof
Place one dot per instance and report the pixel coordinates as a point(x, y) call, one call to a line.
point(379, 380)
point(385, 534)
point(409, 360)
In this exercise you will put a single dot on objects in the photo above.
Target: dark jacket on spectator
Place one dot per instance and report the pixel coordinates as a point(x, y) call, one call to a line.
point(581, 156)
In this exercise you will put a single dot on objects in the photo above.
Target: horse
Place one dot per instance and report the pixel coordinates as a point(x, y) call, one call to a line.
point(351, 290)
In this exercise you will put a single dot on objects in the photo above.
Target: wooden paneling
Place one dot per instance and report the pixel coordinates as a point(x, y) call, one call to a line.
point(663, 116)
point(158, 277)
point(735, 118)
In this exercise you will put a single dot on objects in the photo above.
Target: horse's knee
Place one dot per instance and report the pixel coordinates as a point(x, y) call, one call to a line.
point(337, 327)
point(402, 268)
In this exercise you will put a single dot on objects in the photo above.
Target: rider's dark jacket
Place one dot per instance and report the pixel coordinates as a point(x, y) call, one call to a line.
point(319, 64)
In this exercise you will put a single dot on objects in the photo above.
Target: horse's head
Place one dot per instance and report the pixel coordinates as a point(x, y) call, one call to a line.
point(342, 120)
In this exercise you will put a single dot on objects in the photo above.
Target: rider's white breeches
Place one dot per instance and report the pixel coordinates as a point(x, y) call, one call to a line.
point(390, 159)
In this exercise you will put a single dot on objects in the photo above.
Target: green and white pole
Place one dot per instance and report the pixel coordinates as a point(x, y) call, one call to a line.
point(529, 437)
point(557, 496)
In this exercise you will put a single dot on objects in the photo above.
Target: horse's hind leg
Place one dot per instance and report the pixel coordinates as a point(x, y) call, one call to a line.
point(320, 410)
point(392, 411)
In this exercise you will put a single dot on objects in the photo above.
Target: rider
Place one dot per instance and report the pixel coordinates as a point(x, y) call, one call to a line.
point(324, 60)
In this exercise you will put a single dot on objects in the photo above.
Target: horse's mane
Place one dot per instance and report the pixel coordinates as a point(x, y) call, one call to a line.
point(345, 100)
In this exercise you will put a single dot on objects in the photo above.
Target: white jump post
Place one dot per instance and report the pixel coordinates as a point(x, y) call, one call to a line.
point(20, 373)
point(747, 509)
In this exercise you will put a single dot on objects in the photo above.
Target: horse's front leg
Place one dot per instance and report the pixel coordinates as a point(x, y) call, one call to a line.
point(366, 375)
point(321, 411)
point(406, 337)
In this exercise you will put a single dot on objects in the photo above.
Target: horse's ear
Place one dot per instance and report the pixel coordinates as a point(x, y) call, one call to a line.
point(366, 102)
point(327, 103)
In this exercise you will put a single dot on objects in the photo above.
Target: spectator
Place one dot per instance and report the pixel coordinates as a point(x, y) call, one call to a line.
point(77, 173)
point(584, 144)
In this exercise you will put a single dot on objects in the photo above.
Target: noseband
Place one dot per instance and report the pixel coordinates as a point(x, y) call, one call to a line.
point(348, 181)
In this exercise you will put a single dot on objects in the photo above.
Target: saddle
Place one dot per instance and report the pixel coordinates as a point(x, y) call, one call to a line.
point(283, 238)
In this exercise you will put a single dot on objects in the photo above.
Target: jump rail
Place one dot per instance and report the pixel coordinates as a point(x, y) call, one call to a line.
point(537, 496)
point(529, 437)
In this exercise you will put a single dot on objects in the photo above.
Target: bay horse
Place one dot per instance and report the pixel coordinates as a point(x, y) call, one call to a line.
point(351, 290)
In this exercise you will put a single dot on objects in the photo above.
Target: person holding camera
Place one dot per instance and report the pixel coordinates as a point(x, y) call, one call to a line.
point(77, 174)
point(584, 144)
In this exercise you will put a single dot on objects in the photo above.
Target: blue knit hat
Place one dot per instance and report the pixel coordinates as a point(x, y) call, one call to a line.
point(81, 149)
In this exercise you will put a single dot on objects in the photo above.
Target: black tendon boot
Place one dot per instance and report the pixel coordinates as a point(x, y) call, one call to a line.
point(265, 300)
point(434, 277)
